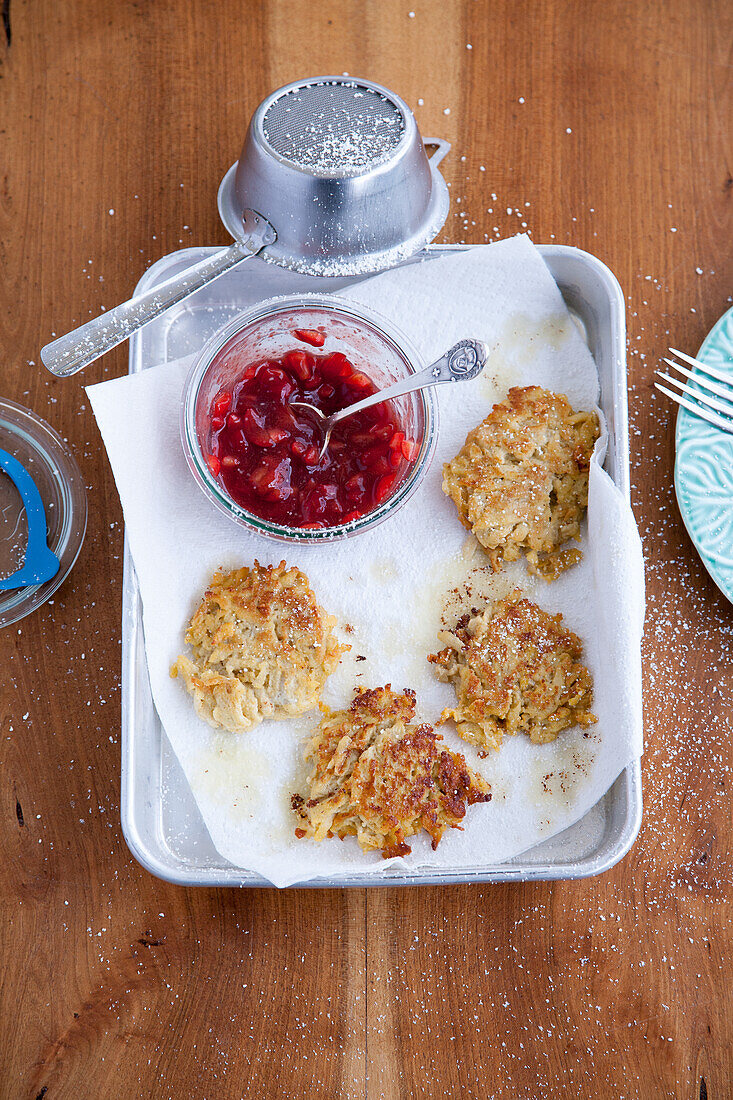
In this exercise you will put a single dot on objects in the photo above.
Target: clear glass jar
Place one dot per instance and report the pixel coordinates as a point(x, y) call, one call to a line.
point(369, 341)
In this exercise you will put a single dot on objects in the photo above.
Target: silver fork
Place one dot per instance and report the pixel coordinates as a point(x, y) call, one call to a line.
point(699, 395)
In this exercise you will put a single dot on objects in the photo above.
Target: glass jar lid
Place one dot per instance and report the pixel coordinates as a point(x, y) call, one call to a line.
point(48, 461)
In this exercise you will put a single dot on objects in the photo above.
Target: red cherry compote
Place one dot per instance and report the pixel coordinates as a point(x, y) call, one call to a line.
point(265, 451)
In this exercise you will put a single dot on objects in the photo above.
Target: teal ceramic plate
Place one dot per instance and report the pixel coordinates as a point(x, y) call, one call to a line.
point(703, 471)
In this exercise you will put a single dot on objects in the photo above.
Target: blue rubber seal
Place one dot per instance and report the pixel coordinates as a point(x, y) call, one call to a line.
point(40, 563)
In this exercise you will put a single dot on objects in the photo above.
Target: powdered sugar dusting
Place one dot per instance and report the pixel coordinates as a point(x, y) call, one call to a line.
point(339, 129)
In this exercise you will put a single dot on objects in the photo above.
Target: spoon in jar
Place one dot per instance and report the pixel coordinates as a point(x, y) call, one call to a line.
point(464, 361)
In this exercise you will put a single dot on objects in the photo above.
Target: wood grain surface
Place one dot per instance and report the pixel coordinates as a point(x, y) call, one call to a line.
point(599, 124)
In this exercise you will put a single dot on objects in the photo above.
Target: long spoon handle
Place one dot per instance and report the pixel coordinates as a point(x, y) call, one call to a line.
point(77, 349)
point(464, 361)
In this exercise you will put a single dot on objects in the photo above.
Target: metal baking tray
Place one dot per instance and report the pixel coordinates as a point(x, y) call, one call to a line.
point(160, 820)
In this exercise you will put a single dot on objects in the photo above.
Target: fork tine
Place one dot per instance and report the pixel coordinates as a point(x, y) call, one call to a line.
point(704, 383)
point(697, 410)
point(720, 375)
point(726, 408)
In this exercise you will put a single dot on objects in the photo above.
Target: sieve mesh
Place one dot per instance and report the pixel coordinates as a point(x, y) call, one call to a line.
point(338, 127)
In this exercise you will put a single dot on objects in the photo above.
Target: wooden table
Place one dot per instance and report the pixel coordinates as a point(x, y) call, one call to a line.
point(600, 124)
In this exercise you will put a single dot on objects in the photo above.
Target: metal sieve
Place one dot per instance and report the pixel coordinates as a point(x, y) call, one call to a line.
point(333, 179)
point(338, 167)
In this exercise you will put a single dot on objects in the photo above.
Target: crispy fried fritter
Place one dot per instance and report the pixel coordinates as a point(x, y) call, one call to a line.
point(520, 481)
point(262, 647)
point(515, 668)
point(380, 778)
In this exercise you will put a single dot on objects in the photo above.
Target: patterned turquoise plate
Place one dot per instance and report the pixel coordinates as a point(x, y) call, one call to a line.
point(703, 471)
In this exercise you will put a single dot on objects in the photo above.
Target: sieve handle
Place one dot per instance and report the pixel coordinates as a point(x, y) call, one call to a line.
point(442, 150)
point(77, 349)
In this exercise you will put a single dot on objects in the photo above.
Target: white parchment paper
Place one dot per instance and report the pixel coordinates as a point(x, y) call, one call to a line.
point(389, 587)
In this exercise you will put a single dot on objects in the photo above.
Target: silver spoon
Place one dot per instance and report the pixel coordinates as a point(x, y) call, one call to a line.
point(464, 361)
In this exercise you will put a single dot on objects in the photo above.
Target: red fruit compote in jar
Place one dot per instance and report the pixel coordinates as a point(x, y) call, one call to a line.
point(265, 451)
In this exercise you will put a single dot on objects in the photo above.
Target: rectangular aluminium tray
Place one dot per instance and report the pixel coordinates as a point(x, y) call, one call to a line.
point(160, 820)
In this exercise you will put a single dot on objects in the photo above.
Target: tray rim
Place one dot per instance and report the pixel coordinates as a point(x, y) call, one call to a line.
point(630, 776)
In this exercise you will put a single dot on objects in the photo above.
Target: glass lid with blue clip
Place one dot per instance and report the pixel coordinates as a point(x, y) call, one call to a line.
point(43, 511)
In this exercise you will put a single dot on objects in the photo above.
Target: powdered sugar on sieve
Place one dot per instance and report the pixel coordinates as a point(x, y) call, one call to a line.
point(367, 263)
point(334, 129)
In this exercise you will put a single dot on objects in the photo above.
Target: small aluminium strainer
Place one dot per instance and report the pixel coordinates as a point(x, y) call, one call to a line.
point(333, 179)
point(338, 168)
